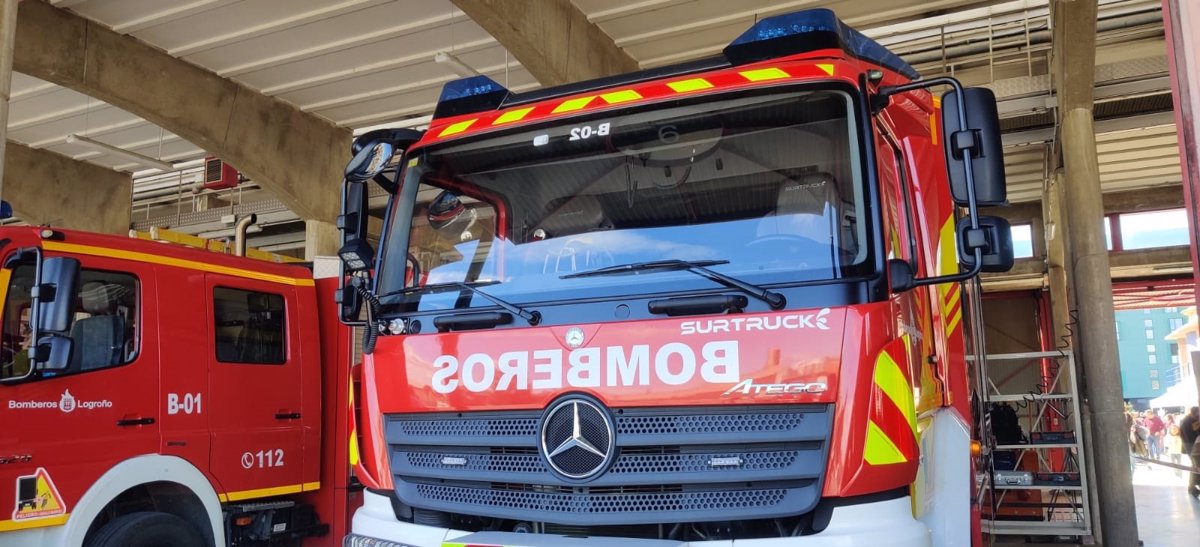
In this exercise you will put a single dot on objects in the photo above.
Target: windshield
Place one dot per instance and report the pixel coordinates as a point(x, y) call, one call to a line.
point(769, 183)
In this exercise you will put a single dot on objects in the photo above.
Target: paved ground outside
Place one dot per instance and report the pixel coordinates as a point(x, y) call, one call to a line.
point(1167, 516)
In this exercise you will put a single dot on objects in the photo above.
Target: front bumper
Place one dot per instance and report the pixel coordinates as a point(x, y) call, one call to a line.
point(869, 524)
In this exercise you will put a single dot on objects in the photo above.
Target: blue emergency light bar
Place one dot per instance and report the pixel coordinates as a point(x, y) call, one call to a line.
point(810, 30)
point(773, 37)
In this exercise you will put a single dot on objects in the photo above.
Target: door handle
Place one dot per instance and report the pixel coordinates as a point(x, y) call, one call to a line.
point(287, 415)
point(126, 422)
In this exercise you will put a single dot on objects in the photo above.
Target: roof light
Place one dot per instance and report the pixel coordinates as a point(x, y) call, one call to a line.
point(473, 94)
point(810, 30)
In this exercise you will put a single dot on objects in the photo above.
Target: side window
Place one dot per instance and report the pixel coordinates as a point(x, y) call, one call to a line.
point(105, 330)
point(250, 327)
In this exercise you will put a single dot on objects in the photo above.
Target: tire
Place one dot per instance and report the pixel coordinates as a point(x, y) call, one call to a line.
point(147, 530)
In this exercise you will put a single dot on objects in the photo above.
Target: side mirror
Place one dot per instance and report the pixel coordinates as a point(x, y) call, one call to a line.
point(994, 238)
point(53, 353)
point(980, 139)
point(370, 161)
point(55, 294)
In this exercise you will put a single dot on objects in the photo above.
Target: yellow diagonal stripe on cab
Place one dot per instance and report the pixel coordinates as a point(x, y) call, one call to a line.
point(764, 74)
point(694, 84)
point(622, 96)
point(456, 128)
point(879, 449)
point(894, 385)
point(513, 116)
point(572, 105)
point(828, 68)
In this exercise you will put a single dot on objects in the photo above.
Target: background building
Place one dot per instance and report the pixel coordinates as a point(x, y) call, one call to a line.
point(1149, 361)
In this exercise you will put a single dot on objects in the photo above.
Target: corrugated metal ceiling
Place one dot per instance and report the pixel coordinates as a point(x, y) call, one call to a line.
point(363, 62)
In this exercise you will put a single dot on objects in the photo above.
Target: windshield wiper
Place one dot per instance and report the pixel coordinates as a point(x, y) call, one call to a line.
point(532, 317)
point(698, 267)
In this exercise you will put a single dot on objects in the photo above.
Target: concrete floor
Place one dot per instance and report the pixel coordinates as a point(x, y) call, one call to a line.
point(1167, 516)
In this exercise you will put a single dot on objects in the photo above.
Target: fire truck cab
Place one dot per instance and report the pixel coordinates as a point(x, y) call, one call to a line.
point(707, 303)
point(155, 394)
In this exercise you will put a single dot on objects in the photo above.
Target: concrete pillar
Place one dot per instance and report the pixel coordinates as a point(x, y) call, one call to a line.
point(320, 239)
point(1074, 70)
point(8, 33)
point(46, 188)
point(552, 39)
point(295, 155)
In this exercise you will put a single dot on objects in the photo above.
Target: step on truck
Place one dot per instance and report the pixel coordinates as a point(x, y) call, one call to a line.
point(155, 395)
point(715, 303)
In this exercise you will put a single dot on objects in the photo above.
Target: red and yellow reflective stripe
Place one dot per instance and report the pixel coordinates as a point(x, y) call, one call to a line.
point(653, 90)
point(892, 425)
point(950, 294)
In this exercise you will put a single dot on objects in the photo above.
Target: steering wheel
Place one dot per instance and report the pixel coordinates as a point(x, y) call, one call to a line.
point(580, 254)
point(809, 247)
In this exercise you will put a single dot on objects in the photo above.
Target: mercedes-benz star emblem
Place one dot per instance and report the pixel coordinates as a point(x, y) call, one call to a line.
point(574, 337)
point(577, 438)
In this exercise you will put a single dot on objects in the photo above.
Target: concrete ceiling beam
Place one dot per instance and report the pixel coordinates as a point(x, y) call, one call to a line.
point(296, 155)
point(52, 189)
point(552, 39)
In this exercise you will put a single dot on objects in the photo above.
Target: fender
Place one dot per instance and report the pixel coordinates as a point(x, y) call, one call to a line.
point(141, 470)
point(942, 491)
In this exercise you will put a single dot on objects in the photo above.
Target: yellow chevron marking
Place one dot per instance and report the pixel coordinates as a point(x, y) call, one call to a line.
point(456, 128)
point(763, 74)
point(513, 116)
point(622, 96)
point(694, 84)
point(573, 104)
point(879, 449)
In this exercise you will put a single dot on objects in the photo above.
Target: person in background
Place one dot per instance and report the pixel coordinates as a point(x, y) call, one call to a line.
point(1174, 443)
point(1154, 441)
point(1189, 430)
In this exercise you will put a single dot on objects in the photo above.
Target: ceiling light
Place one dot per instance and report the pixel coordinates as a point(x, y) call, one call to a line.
point(121, 152)
point(454, 64)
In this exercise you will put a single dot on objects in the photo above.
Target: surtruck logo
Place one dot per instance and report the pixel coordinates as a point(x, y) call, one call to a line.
point(791, 321)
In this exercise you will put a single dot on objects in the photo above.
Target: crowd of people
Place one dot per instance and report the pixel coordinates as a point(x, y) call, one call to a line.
point(1169, 438)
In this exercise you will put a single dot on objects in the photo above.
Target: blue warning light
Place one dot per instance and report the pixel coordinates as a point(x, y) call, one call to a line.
point(810, 30)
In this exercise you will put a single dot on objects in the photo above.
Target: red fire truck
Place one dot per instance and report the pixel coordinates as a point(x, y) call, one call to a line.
point(173, 397)
point(712, 303)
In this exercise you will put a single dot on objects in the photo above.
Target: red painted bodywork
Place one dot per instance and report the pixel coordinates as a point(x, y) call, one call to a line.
point(177, 356)
point(399, 376)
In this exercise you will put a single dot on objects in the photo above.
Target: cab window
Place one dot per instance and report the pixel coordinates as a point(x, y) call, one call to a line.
point(104, 330)
point(250, 327)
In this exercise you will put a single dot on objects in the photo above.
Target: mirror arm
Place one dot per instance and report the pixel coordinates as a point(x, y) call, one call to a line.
point(972, 208)
point(34, 318)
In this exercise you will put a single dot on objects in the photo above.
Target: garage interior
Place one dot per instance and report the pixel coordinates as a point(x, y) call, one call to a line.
point(172, 120)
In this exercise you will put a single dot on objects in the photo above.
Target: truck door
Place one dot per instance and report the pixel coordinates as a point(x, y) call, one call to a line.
point(64, 429)
point(255, 388)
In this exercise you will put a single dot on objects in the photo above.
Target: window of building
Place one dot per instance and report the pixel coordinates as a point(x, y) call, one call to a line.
point(1155, 385)
point(250, 327)
point(1174, 359)
point(104, 331)
point(1148, 323)
point(1172, 309)
point(1154, 373)
point(1152, 359)
point(1176, 322)
point(1150, 348)
point(1022, 239)
point(1149, 334)
point(1151, 229)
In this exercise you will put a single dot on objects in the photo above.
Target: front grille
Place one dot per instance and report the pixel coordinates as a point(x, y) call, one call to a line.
point(688, 464)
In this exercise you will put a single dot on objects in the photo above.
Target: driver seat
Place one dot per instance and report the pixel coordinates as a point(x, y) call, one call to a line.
point(807, 208)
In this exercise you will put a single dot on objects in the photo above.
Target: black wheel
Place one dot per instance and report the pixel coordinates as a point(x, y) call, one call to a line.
point(147, 530)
